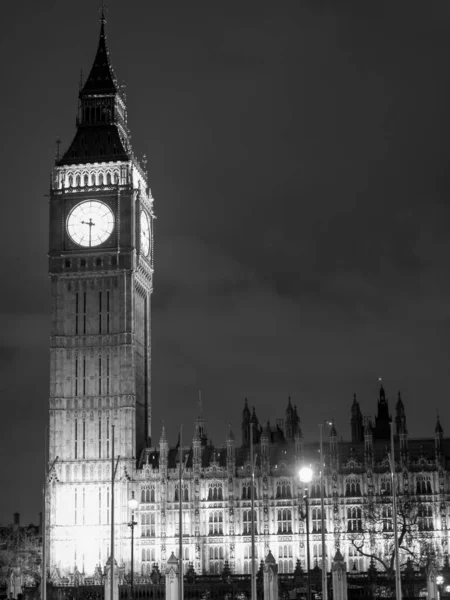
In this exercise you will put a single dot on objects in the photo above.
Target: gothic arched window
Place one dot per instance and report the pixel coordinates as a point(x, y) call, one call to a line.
point(354, 520)
point(423, 485)
point(352, 487)
point(215, 491)
point(284, 489)
point(216, 523)
point(284, 518)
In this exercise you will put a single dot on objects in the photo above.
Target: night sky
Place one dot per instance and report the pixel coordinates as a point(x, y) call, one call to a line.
point(298, 155)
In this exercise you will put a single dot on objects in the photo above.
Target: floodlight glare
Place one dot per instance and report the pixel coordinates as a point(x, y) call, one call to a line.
point(305, 474)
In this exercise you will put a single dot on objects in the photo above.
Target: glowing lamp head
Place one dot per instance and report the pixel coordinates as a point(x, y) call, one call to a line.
point(132, 502)
point(305, 474)
point(439, 580)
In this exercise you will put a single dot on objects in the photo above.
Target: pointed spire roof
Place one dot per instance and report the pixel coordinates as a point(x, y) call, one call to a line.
point(230, 437)
point(163, 438)
point(289, 409)
point(438, 428)
point(102, 132)
point(246, 411)
point(101, 79)
point(356, 411)
point(338, 556)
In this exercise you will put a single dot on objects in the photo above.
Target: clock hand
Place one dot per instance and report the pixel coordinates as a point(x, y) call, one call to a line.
point(90, 223)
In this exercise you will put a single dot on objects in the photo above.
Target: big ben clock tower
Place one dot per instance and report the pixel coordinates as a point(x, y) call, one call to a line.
point(101, 272)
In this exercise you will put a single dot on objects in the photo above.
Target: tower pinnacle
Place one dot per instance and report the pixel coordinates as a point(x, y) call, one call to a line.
point(101, 79)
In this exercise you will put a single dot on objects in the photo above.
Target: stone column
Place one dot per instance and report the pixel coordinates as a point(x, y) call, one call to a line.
point(270, 578)
point(115, 583)
point(432, 586)
point(172, 577)
point(339, 577)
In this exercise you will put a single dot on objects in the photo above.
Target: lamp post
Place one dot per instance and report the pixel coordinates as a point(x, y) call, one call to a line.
point(305, 475)
point(440, 582)
point(322, 514)
point(132, 505)
point(398, 580)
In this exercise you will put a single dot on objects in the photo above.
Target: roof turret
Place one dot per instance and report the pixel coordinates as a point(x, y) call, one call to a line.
point(163, 438)
point(246, 411)
point(230, 437)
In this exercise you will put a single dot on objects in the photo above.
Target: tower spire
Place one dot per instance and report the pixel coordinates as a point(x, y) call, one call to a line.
point(102, 131)
point(101, 79)
point(103, 11)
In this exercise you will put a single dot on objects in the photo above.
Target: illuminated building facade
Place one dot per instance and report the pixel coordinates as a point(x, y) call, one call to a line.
point(216, 491)
point(101, 272)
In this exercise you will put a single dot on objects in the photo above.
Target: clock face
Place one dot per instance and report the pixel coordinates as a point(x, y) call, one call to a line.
point(145, 234)
point(90, 223)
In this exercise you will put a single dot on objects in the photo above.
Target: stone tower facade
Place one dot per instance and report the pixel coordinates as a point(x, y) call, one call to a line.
point(101, 273)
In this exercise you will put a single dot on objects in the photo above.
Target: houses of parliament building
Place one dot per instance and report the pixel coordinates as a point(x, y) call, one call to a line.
point(101, 275)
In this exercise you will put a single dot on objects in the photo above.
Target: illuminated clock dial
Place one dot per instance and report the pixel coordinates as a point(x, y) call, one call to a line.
point(90, 223)
point(145, 234)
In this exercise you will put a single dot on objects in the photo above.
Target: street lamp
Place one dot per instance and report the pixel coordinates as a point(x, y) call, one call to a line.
point(132, 505)
point(305, 475)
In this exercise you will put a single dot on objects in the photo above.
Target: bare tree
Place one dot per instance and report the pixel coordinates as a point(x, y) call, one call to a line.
point(20, 547)
point(373, 535)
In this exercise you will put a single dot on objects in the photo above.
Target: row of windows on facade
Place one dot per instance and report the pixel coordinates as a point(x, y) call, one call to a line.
point(84, 499)
point(148, 494)
point(215, 492)
point(89, 179)
point(216, 555)
point(354, 521)
point(283, 490)
point(353, 486)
